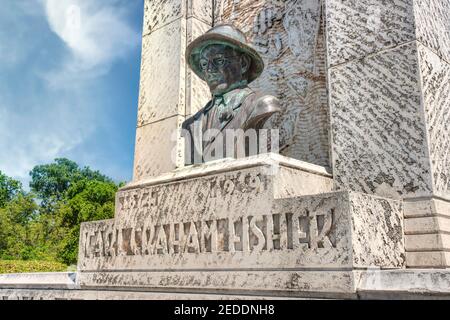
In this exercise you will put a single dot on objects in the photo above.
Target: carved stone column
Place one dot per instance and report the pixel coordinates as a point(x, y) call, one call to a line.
point(168, 90)
point(389, 83)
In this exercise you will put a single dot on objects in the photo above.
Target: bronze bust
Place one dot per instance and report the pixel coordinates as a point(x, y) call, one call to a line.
point(223, 58)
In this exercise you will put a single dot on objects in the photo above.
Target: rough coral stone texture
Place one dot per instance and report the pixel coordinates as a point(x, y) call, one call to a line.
point(435, 76)
point(168, 91)
point(158, 13)
point(197, 91)
point(201, 10)
point(162, 82)
point(158, 148)
point(357, 28)
point(432, 19)
point(378, 125)
point(235, 201)
point(377, 236)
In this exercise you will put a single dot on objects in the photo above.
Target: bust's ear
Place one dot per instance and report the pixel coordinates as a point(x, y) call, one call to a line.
point(245, 63)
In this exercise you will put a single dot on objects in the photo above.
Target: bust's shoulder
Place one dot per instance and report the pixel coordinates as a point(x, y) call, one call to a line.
point(189, 121)
point(260, 109)
point(259, 100)
point(264, 100)
point(238, 97)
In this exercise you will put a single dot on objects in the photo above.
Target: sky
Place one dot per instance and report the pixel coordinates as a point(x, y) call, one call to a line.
point(69, 84)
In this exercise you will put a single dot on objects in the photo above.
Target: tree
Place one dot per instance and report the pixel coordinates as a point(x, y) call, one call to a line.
point(86, 200)
point(9, 188)
point(70, 195)
point(44, 224)
point(51, 181)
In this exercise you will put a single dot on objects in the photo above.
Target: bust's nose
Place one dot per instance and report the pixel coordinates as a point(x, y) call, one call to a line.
point(211, 67)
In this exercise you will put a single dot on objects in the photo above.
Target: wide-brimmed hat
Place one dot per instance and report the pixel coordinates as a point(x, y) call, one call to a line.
point(226, 34)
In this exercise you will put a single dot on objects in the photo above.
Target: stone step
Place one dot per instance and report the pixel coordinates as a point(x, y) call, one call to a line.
point(369, 283)
point(427, 233)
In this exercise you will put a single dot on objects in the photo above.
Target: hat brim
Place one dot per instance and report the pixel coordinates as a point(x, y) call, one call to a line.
point(195, 48)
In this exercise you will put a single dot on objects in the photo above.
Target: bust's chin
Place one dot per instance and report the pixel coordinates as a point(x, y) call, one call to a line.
point(221, 88)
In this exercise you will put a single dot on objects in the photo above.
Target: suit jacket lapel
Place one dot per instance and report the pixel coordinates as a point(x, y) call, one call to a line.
point(236, 100)
point(197, 135)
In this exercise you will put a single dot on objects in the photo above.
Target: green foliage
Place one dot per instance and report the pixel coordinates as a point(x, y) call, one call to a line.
point(15, 221)
point(9, 188)
point(44, 224)
point(20, 266)
point(87, 200)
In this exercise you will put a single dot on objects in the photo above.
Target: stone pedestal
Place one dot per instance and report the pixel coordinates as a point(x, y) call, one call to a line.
point(260, 227)
point(261, 224)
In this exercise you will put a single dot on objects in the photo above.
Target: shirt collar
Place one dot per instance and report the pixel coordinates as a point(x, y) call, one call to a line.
point(233, 98)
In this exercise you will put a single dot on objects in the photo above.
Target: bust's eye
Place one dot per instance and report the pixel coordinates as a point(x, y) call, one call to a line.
point(203, 64)
point(219, 62)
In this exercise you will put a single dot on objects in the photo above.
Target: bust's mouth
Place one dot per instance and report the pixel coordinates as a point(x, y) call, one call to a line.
point(217, 84)
point(213, 78)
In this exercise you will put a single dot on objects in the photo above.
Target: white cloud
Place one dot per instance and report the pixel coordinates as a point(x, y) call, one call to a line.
point(95, 31)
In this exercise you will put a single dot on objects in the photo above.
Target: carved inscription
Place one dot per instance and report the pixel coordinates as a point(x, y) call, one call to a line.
point(288, 231)
point(150, 199)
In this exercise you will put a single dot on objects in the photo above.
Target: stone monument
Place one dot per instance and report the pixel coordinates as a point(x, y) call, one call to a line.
point(357, 203)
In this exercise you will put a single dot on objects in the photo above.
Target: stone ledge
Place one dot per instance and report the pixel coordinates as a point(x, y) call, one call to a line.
point(51, 280)
point(34, 294)
point(427, 242)
point(430, 259)
point(357, 284)
point(224, 165)
point(427, 233)
point(427, 225)
point(404, 284)
point(281, 283)
point(426, 208)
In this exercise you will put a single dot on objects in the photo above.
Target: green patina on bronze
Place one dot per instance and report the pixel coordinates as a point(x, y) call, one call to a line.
point(223, 58)
point(226, 35)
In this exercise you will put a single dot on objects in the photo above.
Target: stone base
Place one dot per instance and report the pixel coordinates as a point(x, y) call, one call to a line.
point(427, 232)
point(263, 226)
point(252, 215)
point(356, 284)
point(266, 226)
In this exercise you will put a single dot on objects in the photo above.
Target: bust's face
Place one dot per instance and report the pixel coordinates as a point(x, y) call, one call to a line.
point(223, 66)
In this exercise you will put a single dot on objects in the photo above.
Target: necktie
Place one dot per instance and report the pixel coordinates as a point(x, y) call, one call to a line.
point(224, 112)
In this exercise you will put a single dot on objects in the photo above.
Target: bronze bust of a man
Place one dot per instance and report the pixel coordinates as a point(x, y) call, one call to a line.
point(223, 58)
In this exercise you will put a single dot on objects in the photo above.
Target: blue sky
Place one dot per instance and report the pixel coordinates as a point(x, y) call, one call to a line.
point(69, 75)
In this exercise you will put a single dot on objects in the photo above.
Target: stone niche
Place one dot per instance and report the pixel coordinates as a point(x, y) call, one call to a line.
point(290, 36)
